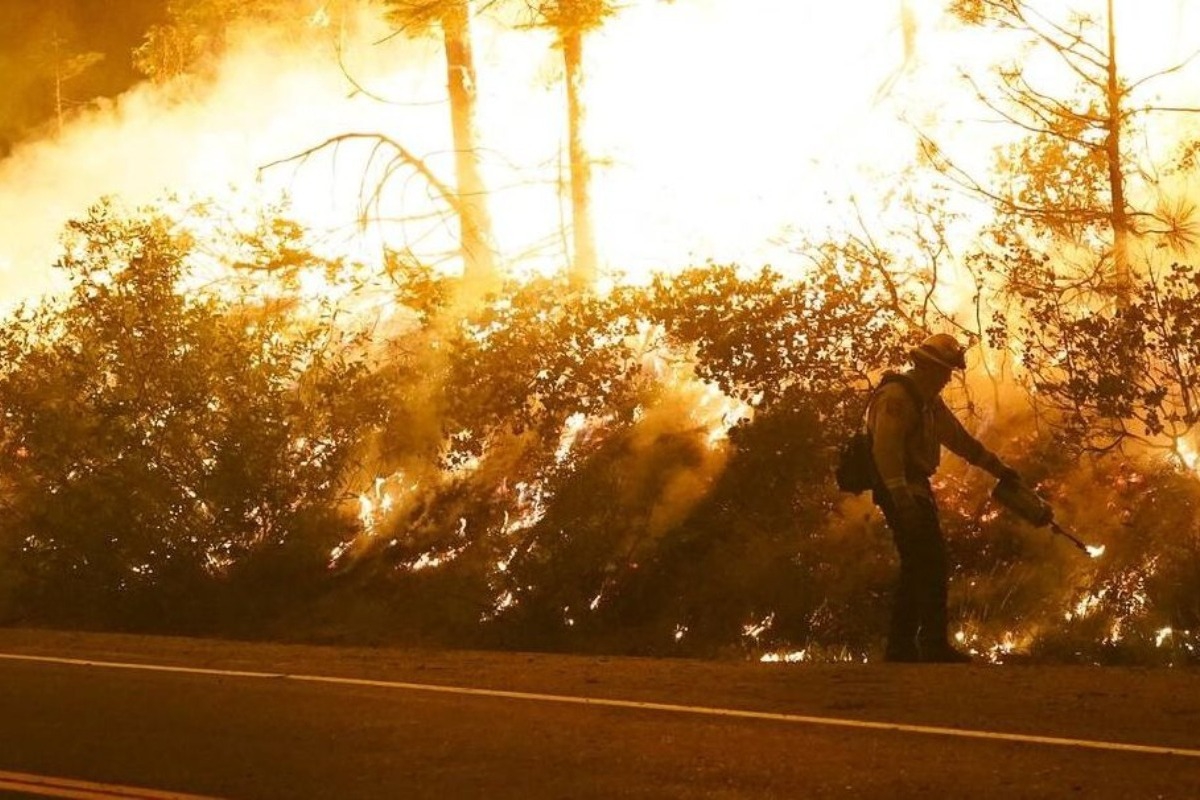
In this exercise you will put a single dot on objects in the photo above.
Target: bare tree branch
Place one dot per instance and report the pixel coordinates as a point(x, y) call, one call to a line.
point(1163, 109)
point(965, 180)
point(405, 156)
point(1008, 117)
point(1168, 71)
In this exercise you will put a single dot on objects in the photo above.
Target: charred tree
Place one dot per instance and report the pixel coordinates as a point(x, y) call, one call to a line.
point(1068, 176)
point(453, 18)
point(584, 259)
point(475, 220)
point(1118, 218)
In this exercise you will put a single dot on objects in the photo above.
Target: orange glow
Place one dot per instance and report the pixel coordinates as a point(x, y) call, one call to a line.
point(696, 156)
point(1187, 454)
point(720, 130)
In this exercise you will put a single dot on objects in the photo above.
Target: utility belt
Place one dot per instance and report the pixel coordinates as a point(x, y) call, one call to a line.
point(917, 483)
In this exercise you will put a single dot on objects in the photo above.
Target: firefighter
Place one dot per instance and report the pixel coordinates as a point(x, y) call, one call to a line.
point(909, 424)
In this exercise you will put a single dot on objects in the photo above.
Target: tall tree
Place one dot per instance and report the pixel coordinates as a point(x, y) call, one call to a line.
point(197, 31)
point(58, 58)
point(1105, 341)
point(572, 20)
point(453, 18)
point(1070, 174)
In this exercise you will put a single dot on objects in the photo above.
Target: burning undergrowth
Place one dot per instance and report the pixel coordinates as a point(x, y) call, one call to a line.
point(646, 470)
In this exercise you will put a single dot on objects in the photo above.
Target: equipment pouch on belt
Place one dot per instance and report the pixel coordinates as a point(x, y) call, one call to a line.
point(856, 465)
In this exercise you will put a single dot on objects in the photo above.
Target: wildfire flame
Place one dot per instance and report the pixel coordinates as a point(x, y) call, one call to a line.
point(1187, 454)
point(723, 171)
point(661, 196)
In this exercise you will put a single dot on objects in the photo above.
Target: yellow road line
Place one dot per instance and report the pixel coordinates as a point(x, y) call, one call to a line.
point(734, 713)
point(47, 786)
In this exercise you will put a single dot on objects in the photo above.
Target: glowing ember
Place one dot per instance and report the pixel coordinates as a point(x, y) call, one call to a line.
point(366, 513)
point(1095, 551)
point(1187, 454)
point(431, 559)
point(335, 555)
point(570, 432)
point(1007, 645)
point(1086, 604)
point(754, 630)
point(529, 509)
point(996, 651)
point(375, 504)
point(505, 601)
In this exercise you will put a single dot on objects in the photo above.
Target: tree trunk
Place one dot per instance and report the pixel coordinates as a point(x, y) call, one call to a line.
point(479, 259)
point(58, 83)
point(583, 260)
point(1118, 217)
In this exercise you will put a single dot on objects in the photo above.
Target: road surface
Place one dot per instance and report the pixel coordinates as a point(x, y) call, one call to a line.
point(99, 716)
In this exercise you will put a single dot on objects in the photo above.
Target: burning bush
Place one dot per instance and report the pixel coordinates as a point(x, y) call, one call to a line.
point(157, 441)
point(642, 471)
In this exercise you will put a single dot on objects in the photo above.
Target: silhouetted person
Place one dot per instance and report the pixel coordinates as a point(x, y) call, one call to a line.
point(909, 425)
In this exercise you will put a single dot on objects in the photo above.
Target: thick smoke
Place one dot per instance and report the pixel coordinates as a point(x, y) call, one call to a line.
point(701, 156)
point(697, 156)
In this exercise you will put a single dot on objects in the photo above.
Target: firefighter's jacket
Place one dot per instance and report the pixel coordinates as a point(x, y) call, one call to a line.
point(907, 441)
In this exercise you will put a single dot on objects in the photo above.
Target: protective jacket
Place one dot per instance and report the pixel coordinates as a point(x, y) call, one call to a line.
point(906, 440)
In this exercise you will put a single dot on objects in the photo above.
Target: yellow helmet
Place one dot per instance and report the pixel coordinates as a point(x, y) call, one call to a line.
point(941, 349)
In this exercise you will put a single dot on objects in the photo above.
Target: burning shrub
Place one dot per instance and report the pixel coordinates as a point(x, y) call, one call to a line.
point(1139, 602)
point(1121, 371)
point(643, 471)
point(628, 505)
point(154, 439)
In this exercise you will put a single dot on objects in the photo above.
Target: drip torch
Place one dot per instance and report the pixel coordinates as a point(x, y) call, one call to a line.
point(1029, 506)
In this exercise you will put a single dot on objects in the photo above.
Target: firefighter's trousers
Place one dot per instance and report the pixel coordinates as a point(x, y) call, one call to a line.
point(919, 607)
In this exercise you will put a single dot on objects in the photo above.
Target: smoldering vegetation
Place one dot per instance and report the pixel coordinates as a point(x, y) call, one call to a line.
point(644, 471)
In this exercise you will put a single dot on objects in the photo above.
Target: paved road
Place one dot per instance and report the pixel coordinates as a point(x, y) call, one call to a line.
point(219, 725)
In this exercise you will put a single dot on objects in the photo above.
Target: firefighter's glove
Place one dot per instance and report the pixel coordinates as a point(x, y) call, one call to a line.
point(1007, 474)
point(908, 513)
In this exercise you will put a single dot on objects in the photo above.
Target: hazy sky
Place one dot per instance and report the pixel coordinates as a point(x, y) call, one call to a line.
point(718, 128)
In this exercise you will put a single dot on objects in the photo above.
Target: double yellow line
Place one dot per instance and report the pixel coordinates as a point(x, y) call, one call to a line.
point(46, 786)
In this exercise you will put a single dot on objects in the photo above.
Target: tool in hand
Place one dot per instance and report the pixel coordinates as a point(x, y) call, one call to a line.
point(1029, 506)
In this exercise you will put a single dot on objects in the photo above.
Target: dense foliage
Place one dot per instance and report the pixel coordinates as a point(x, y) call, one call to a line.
point(189, 443)
point(157, 442)
point(642, 471)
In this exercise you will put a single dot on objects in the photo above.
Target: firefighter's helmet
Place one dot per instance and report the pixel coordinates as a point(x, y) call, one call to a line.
point(941, 349)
